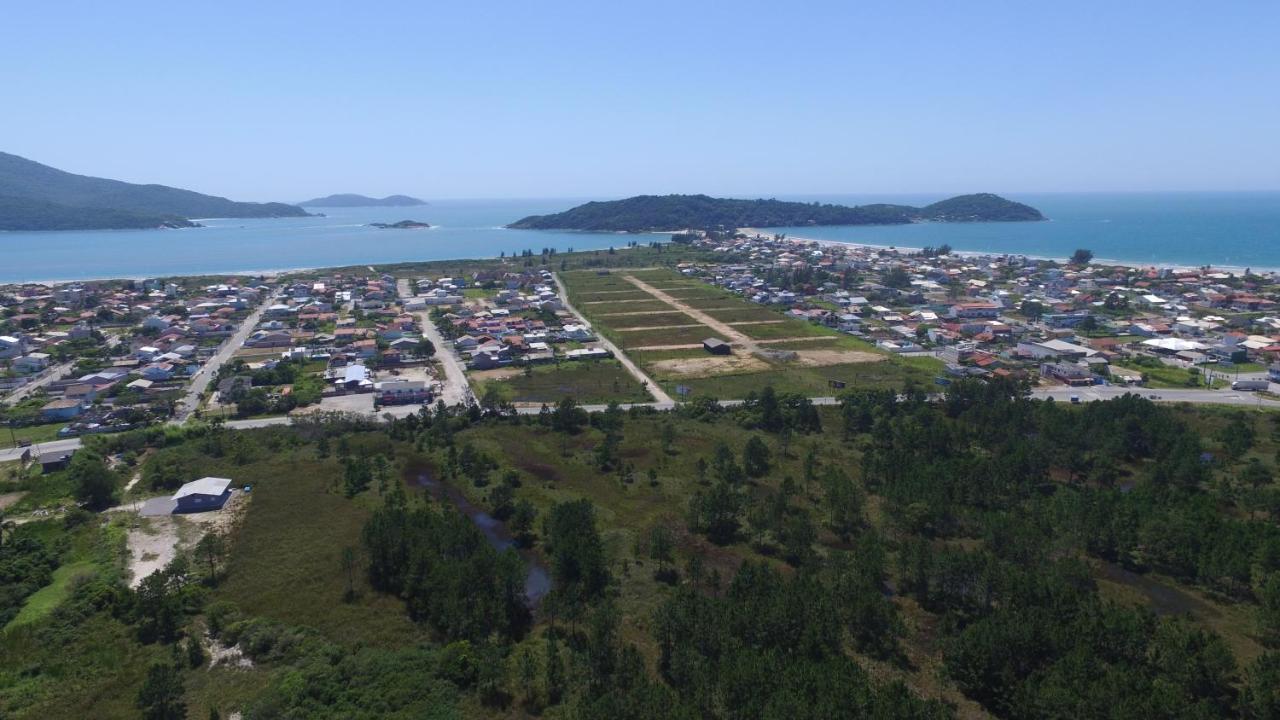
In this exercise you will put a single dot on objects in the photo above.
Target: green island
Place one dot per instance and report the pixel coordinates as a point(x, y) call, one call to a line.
point(645, 213)
point(401, 225)
point(355, 200)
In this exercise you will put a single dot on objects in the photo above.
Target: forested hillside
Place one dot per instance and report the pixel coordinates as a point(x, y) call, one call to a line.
point(37, 194)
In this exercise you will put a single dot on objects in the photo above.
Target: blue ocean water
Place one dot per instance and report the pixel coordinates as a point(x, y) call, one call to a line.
point(1231, 229)
point(460, 229)
point(1192, 229)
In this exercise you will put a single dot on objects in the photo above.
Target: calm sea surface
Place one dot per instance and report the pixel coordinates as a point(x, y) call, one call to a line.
point(1236, 229)
point(1229, 229)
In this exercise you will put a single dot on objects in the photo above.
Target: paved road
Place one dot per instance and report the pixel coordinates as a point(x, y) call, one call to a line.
point(191, 400)
point(1106, 392)
point(455, 388)
point(654, 389)
point(49, 375)
point(1060, 394)
point(39, 448)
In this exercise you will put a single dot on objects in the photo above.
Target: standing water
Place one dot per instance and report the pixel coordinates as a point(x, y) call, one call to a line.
point(537, 583)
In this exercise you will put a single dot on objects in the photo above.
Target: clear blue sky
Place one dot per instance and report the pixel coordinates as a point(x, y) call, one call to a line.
point(283, 101)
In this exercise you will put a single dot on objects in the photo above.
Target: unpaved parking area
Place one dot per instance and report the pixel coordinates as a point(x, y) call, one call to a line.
point(358, 403)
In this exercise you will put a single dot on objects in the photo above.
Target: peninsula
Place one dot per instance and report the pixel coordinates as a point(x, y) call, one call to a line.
point(645, 213)
point(38, 197)
point(354, 200)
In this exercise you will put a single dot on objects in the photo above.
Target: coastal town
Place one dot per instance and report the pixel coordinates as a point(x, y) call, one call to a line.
point(93, 357)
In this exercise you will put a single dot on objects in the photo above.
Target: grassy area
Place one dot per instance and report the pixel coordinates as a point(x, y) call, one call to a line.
point(592, 381)
point(665, 336)
point(9, 437)
point(42, 491)
point(787, 329)
point(612, 296)
point(623, 306)
point(287, 560)
point(657, 319)
point(51, 596)
point(1167, 377)
point(812, 381)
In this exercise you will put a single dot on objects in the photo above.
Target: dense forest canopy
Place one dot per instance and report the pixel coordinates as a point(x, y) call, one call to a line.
point(679, 212)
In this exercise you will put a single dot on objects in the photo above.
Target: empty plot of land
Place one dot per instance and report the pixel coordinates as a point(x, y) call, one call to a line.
point(783, 330)
point(823, 358)
point(598, 298)
point(701, 316)
point(642, 319)
point(636, 312)
point(744, 312)
point(660, 327)
point(623, 291)
point(689, 336)
point(681, 346)
point(614, 306)
point(675, 368)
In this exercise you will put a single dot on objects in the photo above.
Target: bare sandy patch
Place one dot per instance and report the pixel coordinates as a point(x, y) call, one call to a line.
point(8, 499)
point(819, 358)
point(807, 338)
point(708, 366)
point(495, 374)
point(155, 541)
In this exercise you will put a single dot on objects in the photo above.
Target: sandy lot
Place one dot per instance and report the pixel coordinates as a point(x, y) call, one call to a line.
point(154, 541)
point(495, 374)
point(706, 366)
point(818, 358)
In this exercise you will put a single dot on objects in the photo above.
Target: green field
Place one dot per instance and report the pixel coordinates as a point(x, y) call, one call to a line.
point(748, 312)
point(589, 381)
point(623, 306)
point(611, 296)
point(788, 329)
point(811, 381)
point(9, 437)
point(281, 571)
point(665, 336)
point(657, 319)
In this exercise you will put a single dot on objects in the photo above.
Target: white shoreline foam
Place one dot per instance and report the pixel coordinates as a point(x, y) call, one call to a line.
point(1115, 262)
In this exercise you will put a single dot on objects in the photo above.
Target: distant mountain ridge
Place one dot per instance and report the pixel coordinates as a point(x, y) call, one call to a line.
point(354, 200)
point(644, 213)
point(38, 197)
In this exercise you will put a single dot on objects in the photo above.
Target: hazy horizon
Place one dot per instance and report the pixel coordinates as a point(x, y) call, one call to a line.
point(292, 101)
